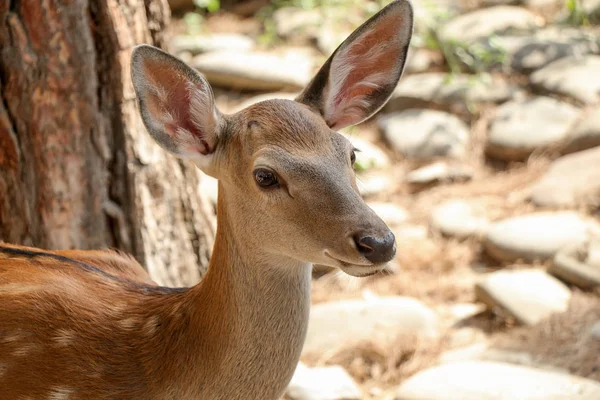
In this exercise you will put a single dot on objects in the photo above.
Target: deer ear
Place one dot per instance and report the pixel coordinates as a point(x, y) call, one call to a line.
point(176, 103)
point(360, 76)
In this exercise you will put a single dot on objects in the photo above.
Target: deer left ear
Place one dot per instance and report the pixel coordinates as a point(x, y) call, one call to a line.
point(360, 76)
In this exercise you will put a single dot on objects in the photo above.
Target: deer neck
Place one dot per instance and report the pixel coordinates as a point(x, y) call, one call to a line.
point(251, 312)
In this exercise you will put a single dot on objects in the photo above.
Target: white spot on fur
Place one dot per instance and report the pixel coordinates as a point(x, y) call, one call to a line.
point(64, 337)
point(129, 323)
point(24, 349)
point(151, 325)
point(60, 393)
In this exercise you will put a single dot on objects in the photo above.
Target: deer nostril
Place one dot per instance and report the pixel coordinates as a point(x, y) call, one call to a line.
point(376, 249)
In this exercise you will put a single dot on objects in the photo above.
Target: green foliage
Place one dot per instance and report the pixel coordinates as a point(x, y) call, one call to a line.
point(194, 23)
point(209, 5)
point(576, 14)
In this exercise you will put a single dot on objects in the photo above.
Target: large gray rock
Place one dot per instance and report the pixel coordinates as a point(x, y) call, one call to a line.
point(425, 134)
point(487, 22)
point(527, 295)
point(586, 132)
point(526, 53)
point(214, 42)
point(459, 219)
point(479, 380)
point(535, 236)
point(342, 324)
point(523, 126)
point(579, 265)
point(576, 77)
point(323, 383)
point(571, 180)
point(253, 71)
point(455, 93)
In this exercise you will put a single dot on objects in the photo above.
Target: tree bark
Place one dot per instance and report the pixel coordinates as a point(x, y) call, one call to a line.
point(77, 168)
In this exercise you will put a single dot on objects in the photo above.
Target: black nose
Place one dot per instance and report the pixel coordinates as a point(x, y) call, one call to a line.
point(376, 249)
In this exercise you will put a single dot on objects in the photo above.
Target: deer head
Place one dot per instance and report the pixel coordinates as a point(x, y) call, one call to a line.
point(287, 183)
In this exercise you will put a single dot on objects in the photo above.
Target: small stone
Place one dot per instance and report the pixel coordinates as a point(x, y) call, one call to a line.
point(323, 383)
point(342, 324)
point(371, 184)
point(576, 77)
point(418, 60)
point(459, 219)
point(595, 330)
point(570, 181)
point(214, 42)
point(456, 93)
point(586, 133)
point(483, 380)
point(425, 134)
point(254, 71)
point(535, 236)
point(291, 22)
point(482, 352)
point(369, 155)
point(523, 126)
point(579, 265)
point(487, 22)
point(439, 172)
point(390, 213)
point(527, 295)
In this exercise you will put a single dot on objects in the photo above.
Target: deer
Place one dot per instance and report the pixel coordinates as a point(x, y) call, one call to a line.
point(91, 324)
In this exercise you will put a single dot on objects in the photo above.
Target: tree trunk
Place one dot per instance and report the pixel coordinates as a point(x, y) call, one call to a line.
point(77, 168)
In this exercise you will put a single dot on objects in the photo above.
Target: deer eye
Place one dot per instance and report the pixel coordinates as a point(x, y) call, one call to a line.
point(265, 178)
point(353, 157)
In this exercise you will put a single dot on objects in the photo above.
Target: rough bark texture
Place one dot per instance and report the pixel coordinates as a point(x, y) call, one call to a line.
point(77, 169)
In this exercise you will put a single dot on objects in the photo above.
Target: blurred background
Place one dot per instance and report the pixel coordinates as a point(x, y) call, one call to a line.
point(485, 163)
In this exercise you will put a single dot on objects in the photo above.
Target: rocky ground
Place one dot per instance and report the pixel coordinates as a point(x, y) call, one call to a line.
point(486, 164)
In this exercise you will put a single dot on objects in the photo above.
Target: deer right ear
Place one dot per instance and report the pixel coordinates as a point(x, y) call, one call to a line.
point(176, 103)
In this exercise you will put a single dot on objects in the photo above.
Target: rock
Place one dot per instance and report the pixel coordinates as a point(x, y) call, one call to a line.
point(522, 126)
point(209, 187)
point(570, 181)
point(595, 330)
point(418, 60)
point(535, 236)
point(411, 232)
point(526, 53)
point(482, 352)
point(456, 93)
point(214, 42)
point(253, 71)
point(324, 383)
point(371, 184)
point(390, 213)
point(263, 97)
point(439, 172)
point(291, 22)
point(585, 133)
point(330, 37)
point(369, 155)
point(459, 219)
point(480, 380)
point(337, 325)
point(425, 134)
point(579, 265)
point(592, 9)
point(576, 77)
point(527, 295)
point(486, 22)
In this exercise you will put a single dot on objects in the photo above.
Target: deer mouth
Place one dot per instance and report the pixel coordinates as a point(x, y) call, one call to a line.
point(356, 270)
